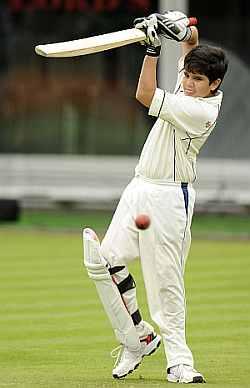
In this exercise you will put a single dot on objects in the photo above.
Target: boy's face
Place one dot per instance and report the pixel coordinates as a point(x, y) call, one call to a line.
point(197, 85)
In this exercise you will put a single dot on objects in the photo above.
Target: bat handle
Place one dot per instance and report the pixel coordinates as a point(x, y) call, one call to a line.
point(192, 21)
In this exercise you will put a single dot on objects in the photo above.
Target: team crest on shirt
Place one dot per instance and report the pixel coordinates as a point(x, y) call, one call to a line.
point(208, 124)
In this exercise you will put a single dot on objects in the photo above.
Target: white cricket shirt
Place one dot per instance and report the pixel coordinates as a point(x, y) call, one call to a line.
point(183, 125)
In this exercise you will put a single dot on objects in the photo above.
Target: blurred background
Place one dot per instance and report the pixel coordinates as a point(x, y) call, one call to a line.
point(71, 129)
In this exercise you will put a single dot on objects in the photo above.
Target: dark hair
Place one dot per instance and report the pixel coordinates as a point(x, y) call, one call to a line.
point(207, 60)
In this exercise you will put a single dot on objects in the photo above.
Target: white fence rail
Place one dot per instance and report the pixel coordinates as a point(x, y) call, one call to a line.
point(98, 181)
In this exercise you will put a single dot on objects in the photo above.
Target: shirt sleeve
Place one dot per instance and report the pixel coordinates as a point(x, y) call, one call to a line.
point(178, 85)
point(187, 114)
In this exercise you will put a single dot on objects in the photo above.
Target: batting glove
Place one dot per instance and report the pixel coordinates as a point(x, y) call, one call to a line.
point(173, 25)
point(149, 26)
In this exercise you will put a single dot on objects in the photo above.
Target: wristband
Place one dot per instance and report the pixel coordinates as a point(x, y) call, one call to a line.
point(153, 51)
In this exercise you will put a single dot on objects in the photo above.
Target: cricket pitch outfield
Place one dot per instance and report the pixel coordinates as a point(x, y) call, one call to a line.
point(54, 332)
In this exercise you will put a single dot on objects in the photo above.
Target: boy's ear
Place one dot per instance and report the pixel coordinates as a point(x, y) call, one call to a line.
point(214, 84)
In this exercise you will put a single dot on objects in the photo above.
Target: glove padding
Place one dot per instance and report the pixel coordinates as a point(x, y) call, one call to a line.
point(149, 26)
point(173, 25)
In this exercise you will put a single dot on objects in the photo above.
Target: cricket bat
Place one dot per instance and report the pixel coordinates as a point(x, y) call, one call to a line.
point(96, 43)
point(91, 45)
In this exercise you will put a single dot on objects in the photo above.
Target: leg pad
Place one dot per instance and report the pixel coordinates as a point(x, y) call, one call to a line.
point(97, 268)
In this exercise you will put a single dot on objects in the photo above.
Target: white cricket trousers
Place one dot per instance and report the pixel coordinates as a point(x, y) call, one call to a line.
point(162, 249)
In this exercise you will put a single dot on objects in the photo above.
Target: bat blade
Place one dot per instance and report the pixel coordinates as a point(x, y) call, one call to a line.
point(91, 45)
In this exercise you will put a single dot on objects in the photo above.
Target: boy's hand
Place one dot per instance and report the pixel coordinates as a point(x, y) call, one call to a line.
point(173, 25)
point(149, 25)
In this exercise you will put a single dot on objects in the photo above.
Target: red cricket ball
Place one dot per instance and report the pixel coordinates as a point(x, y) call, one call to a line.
point(142, 221)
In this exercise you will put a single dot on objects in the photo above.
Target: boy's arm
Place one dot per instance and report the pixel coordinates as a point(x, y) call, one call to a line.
point(188, 115)
point(147, 83)
point(192, 42)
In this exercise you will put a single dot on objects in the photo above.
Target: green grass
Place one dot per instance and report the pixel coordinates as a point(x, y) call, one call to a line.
point(64, 219)
point(54, 333)
point(204, 226)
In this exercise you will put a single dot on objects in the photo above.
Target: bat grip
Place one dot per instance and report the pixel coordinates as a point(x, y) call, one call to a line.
point(192, 21)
